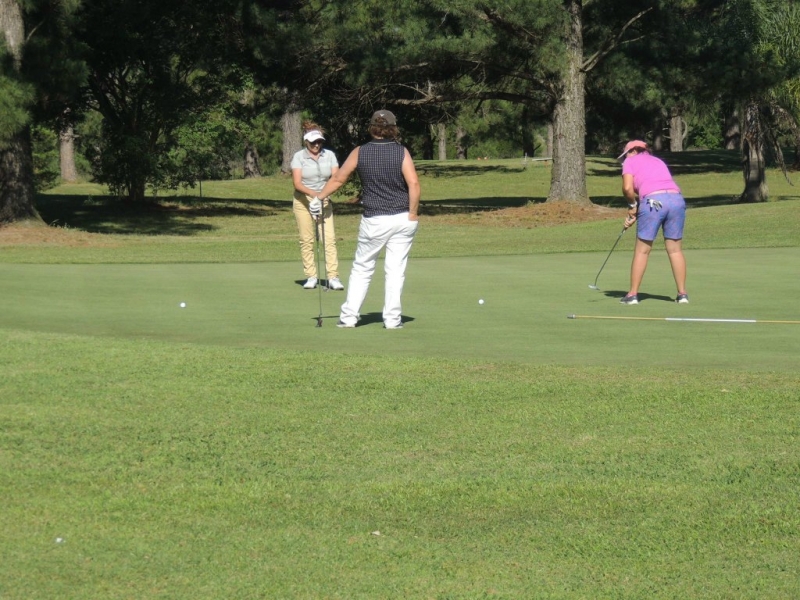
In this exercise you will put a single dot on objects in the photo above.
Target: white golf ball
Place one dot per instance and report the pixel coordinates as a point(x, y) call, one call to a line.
point(183, 304)
point(480, 301)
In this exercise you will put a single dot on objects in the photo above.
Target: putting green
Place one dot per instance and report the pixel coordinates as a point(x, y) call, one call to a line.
point(524, 317)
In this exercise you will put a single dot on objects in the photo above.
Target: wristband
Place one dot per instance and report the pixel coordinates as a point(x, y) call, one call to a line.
point(633, 205)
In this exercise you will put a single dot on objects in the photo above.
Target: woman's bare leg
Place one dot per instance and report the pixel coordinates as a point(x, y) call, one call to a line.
point(678, 263)
point(641, 253)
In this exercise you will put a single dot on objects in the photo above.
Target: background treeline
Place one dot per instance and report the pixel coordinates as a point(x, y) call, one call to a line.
point(157, 94)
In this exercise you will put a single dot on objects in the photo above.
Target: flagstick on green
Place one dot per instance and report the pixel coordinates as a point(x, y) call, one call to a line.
point(697, 320)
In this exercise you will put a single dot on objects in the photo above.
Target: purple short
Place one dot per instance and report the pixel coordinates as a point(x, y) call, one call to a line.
point(671, 216)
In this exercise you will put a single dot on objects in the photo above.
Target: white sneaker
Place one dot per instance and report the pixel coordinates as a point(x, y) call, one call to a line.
point(310, 283)
point(335, 284)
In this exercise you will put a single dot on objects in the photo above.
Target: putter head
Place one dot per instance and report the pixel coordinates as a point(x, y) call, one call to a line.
point(319, 321)
point(593, 287)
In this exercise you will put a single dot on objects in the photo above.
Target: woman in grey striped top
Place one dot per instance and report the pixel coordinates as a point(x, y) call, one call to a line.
point(390, 196)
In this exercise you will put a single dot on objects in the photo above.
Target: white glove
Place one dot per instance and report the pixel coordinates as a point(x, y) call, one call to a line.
point(315, 207)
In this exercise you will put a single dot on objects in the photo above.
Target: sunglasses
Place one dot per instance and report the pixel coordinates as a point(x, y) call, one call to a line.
point(316, 142)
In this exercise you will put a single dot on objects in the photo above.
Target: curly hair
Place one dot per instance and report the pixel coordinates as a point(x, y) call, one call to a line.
point(311, 126)
point(380, 129)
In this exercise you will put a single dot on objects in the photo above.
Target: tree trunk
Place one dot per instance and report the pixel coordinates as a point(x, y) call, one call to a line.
point(733, 137)
point(461, 147)
point(678, 130)
point(66, 140)
point(658, 132)
point(17, 194)
point(568, 178)
point(137, 188)
point(12, 25)
point(251, 168)
point(292, 137)
point(796, 164)
point(549, 139)
point(755, 177)
point(442, 138)
point(427, 145)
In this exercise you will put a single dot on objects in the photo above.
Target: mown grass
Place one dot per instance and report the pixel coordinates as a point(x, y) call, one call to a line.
point(233, 450)
point(176, 471)
point(524, 317)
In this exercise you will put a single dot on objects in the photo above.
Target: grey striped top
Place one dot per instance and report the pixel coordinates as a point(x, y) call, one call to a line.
point(384, 189)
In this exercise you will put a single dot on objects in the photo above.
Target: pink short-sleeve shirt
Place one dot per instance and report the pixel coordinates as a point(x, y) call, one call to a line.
point(650, 174)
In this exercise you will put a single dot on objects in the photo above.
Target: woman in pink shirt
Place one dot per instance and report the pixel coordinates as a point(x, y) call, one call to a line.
point(654, 202)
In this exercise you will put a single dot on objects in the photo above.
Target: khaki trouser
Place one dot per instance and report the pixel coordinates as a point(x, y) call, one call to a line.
point(306, 224)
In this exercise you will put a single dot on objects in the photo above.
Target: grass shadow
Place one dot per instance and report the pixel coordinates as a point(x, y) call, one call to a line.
point(452, 206)
point(461, 170)
point(472, 205)
point(167, 216)
point(697, 202)
point(680, 163)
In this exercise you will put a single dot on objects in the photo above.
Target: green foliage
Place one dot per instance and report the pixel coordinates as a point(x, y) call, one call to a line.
point(705, 132)
point(127, 163)
point(450, 49)
point(173, 82)
point(88, 141)
point(15, 101)
point(203, 149)
point(663, 70)
point(151, 79)
point(495, 130)
point(265, 132)
point(46, 167)
point(54, 57)
point(51, 71)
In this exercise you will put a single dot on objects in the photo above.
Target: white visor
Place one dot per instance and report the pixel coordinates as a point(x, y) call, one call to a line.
point(313, 135)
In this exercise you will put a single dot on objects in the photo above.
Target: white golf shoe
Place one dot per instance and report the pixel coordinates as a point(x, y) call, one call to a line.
point(335, 284)
point(310, 283)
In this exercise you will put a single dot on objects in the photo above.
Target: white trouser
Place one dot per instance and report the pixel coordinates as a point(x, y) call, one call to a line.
point(396, 233)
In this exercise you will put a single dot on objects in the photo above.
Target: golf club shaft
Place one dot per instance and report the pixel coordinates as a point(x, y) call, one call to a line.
point(619, 237)
point(694, 320)
point(319, 273)
point(324, 247)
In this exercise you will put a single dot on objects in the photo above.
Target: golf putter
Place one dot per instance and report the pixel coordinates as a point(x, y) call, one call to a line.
point(619, 237)
point(324, 250)
point(319, 281)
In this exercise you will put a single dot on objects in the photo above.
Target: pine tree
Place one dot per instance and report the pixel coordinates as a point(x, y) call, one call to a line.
point(16, 161)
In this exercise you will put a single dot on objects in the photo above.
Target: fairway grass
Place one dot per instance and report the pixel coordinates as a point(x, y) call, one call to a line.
point(231, 449)
point(136, 469)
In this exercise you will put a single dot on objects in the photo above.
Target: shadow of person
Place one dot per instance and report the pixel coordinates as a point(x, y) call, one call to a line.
point(376, 317)
point(322, 282)
point(642, 296)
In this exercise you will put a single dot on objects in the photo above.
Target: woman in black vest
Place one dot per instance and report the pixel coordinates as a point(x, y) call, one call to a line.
point(390, 196)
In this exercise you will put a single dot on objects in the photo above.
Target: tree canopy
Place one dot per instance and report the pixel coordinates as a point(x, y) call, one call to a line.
point(183, 88)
